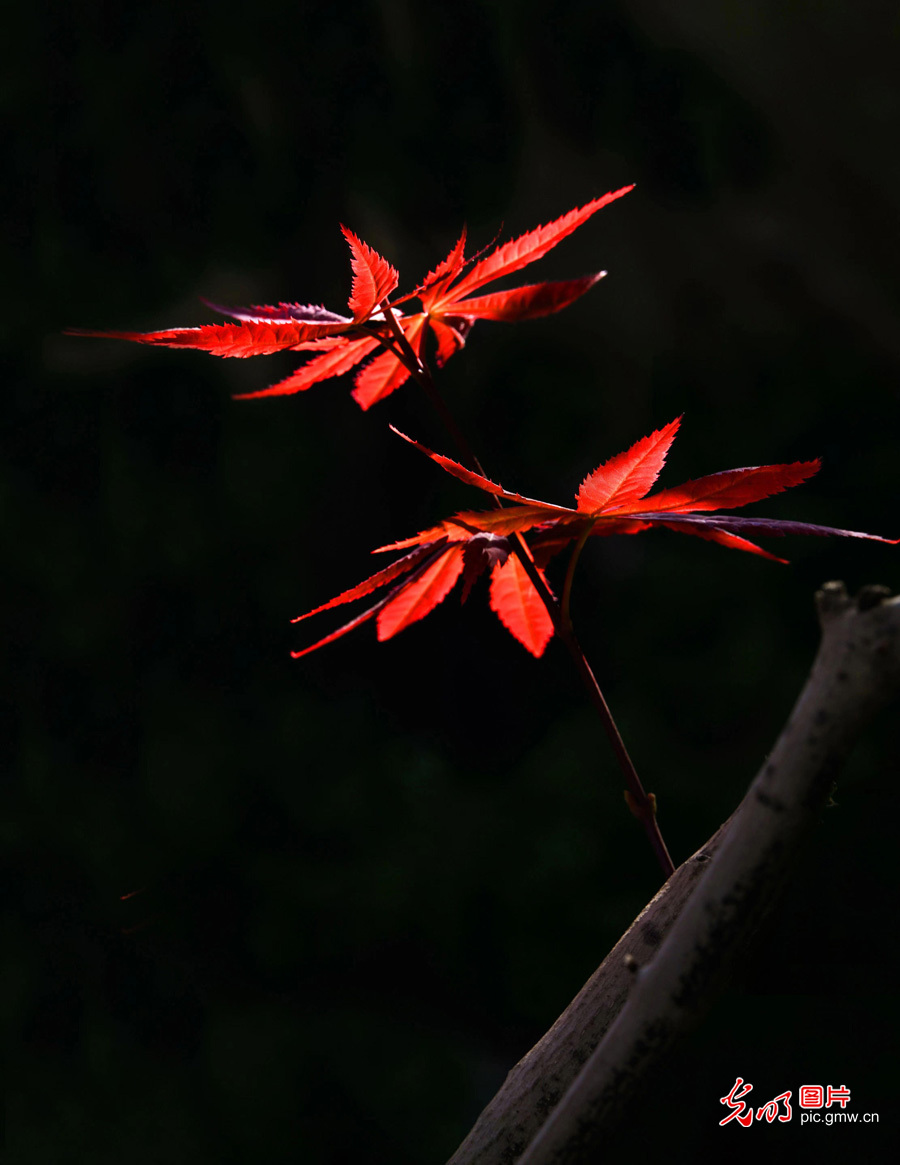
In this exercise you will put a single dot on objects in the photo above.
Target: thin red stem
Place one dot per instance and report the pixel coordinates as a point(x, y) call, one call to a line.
point(641, 803)
point(570, 575)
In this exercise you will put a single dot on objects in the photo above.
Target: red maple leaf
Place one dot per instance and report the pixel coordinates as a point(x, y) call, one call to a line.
point(342, 342)
point(431, 571)
point(611, 500)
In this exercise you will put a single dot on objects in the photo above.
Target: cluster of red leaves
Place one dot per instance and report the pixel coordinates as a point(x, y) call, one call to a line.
point(448, 310)
point(611, 500)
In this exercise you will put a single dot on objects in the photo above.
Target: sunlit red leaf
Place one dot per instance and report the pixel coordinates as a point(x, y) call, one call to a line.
point(530, 247)
point(518, 606)
point(471, 478)
point(416, 599)
point(445, 530)
point(627, 477)
point(244, 339)
point(355, 622)
point(526, 303)
point(420, 567)
point(373, 277)
point(731, 488)
point(378, 378)
point(400, 567)
point(333, 363)
point(436, 281)
point(305, 313)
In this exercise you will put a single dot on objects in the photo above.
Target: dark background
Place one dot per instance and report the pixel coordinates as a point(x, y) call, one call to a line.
point(372, 878)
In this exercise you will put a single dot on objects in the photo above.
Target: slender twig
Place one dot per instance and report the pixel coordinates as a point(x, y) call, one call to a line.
point(641, 803)
point(422, 373)
point(388, 342)
point(570, 573)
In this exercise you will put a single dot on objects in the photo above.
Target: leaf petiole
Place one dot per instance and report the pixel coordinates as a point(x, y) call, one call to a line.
point(570, 574)
point(421, 372)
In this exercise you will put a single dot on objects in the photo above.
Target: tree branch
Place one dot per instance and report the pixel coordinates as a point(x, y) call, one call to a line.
point(558, 1101)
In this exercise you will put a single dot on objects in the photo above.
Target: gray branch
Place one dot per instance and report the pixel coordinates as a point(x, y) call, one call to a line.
point(559, 1100)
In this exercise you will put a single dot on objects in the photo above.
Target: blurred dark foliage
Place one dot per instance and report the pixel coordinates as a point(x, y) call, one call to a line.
point(371, 879)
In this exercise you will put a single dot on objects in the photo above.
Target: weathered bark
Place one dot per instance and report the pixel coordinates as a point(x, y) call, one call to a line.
point(556, 1104)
